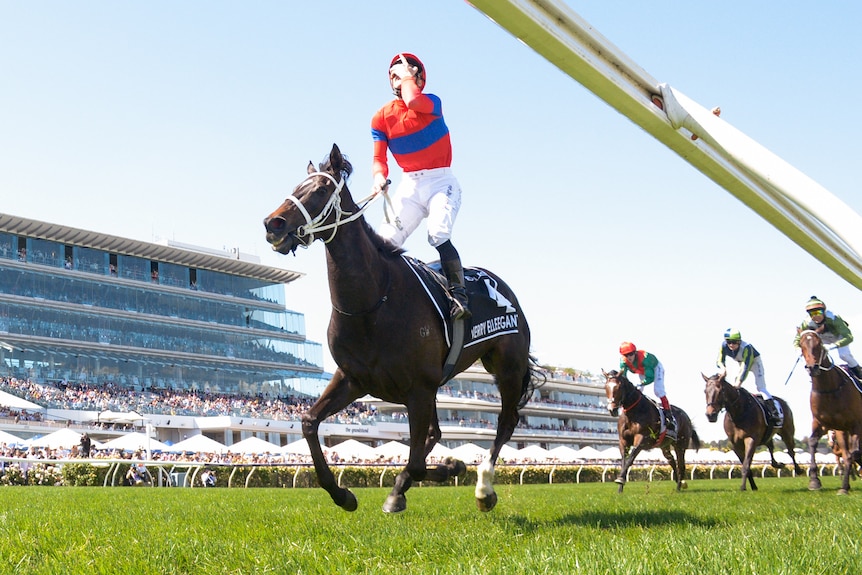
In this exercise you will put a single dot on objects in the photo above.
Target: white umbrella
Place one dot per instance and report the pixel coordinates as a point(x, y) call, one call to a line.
point(61, 439)
point(300, 447)
point(440, 452)
point(10, 439)
point(393, 449)
point(564, 454)
point(254, 444)
point(508, 453)
point(534, 453)
point(135, 442)
point(199, 443)
point(469, 452)
point(589, 452)
point(354, 449)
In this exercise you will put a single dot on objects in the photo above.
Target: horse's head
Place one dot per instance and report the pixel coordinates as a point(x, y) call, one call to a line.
point(614, 390)
point(715, 398)
point(314, 206)
point(813, 352)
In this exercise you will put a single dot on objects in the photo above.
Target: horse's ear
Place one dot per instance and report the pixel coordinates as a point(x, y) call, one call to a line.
point(310, 169)
point(704, 377)
point(604, 373)
point(335, 158)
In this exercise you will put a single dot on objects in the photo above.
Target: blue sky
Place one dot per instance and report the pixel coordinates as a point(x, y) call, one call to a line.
point(194, 120)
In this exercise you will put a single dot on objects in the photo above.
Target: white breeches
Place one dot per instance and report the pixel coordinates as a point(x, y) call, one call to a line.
point(434, 194)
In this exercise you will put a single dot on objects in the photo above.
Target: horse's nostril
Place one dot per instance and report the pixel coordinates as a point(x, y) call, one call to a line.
point(274, 225)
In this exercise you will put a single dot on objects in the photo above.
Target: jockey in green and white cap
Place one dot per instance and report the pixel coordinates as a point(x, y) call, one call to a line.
point(834, 331)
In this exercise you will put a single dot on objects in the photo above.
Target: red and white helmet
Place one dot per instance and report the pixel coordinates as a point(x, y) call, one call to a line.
point(627, 347)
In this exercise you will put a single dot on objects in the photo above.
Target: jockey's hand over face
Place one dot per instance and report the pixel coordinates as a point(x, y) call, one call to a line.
point(403, 70)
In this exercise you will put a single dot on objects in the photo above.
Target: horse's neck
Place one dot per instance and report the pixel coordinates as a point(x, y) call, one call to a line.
point(356, 270)
point(733, 396)
point(631, 394)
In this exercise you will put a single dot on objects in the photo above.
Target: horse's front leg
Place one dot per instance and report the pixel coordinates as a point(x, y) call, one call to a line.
point(338, 394)
point(817, 432)
point(747, 458)
point(422, 418)
point(627, 460)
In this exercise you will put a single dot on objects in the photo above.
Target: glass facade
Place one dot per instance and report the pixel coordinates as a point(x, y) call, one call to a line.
point(86, 314)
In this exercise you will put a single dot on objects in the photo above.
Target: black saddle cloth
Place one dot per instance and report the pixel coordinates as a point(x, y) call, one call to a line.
point(494, 314)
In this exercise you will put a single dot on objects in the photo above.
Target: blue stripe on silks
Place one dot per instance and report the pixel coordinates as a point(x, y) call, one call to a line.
point(420, 140)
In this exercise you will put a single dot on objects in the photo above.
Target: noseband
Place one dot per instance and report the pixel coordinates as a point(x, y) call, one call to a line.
point(722, 401)
point(305, 234)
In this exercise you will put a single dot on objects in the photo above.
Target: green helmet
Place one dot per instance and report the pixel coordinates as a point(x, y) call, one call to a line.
point(732, 335)
point(814, 304)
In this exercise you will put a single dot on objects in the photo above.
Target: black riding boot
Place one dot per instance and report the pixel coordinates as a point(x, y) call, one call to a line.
point(455, 277)
point(857, 371)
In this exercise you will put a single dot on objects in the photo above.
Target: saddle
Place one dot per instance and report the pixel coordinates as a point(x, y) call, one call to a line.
point(493, 315)
point(856, 383)
point(774, 419)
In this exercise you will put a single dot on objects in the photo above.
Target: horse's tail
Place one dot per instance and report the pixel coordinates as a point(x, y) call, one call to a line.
point(694, 442)
point(534, 378)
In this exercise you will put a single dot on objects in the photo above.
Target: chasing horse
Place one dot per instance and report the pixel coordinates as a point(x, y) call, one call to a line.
point(748, 423)
point(836, 403)
point(639, 427)
point(390, 332)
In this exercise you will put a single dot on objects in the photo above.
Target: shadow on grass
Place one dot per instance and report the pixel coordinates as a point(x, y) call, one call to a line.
point(613, 520)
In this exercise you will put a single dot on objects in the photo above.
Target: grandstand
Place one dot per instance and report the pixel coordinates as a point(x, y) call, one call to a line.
point(202, 341)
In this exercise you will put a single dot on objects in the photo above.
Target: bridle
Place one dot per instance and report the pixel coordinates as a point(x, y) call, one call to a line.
point(305, 234)
point(823, 355)
point(725, 401)
point(626, 408)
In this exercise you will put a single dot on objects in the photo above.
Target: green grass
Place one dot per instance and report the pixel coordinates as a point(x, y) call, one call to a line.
point(650, 529)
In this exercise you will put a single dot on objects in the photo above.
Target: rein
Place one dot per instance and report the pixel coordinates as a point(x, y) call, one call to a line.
point(305, 234)
point(819, 365)
point(631, 406)
point(373, 308)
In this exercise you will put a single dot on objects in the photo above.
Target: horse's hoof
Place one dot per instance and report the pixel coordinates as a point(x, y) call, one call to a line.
point(683, 484)
point(457, 468)
point(619, 480)
point(814, 485)
point(843, 491)
point(395, 504)
point(348, 502)
point(488, 502)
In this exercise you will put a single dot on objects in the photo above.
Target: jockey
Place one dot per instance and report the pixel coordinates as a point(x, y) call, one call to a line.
point(412, 127)
point(833, 330)
point(650, 370)
point(749, 362)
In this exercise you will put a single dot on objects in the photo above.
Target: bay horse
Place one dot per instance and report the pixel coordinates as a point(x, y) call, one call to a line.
point(639, 427)
point(746, 425)
point(387, 337)
point(836, 403)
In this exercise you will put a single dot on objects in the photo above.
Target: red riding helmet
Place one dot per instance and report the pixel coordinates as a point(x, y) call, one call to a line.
point(413, 61)
point(627, 347)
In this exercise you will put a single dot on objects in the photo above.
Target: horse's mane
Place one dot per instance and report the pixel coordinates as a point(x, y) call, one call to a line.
point(385, 247)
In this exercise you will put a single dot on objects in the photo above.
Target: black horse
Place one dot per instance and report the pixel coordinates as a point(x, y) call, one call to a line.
point(388, 338)
point(639, 427)
point(746, 425)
